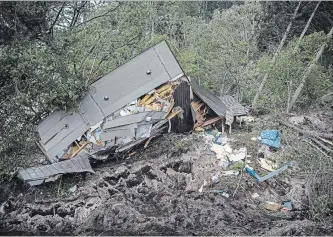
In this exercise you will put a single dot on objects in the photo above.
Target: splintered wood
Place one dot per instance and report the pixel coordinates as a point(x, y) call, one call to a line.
point(200, 111)
point(160, 100)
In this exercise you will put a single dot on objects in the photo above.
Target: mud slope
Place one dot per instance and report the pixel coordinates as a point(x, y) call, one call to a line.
point(150, 196)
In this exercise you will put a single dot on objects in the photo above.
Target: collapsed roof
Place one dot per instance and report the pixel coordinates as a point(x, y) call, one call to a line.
point(126, 107)
point(140, 75)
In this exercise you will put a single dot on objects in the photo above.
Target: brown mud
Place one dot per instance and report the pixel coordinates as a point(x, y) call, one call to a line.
point(155, 192)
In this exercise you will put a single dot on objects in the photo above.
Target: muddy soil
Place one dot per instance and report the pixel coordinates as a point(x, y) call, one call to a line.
point(156, 193)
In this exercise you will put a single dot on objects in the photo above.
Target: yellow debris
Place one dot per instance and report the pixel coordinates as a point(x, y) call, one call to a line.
point(151, 99)
point(199, 129)
point(144, 99)
point(163, 88)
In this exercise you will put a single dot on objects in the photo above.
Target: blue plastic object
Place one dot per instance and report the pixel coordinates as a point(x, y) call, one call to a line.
point(268, 176)
point(271, 138)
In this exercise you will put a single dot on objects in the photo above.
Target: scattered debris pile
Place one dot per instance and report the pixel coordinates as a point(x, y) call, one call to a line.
point(234, 163)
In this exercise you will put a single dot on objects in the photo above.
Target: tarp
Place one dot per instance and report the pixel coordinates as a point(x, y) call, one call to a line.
point(270, 138)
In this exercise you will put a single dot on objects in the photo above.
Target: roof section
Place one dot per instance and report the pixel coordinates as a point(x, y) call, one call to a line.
point(37, 175)
point(130, 81)
point(210, 99)
point(120, 87)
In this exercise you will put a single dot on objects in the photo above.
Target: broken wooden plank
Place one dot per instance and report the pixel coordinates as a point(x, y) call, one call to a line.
point(211, 121)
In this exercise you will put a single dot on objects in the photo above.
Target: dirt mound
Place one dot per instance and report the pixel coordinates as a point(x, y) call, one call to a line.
point(156, 196)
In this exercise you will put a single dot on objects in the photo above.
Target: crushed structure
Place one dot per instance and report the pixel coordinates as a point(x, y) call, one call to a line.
point(129, 106)
point(38, 175)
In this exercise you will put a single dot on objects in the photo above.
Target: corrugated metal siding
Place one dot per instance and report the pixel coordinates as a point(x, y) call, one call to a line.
point(37, 175)
point(209, 99)
point(182, 99)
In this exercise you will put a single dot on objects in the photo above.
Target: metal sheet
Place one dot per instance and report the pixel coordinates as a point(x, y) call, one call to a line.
point(234, 108)
point(47, 123)
point(125, 120)
point(130, 80)
point(108, 136)
point(90, 110)
point(66, 141)
point(143, 131)
point(133, 119)
point(37, 175)
point(61, 129)
point(209, 99)
point(129, 126)
point(168, 60)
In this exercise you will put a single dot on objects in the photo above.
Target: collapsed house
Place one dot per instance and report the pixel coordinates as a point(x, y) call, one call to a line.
point(129, 106)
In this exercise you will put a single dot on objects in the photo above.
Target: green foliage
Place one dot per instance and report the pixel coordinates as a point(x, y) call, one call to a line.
point(287, 72)
point(50, 59)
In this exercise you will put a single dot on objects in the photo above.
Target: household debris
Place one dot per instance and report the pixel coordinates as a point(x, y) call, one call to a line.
point(270, 138)
point(234, 109)
point(204, 184)
point(73, 189)
point(272, 206)
point(238, 155)
point(47, 173)
point(255, 195)
point(287, 206)
point(270, 175)
point(267, 164)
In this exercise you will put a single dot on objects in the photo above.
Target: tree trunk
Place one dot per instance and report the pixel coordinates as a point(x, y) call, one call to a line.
point(275, 56)
point(308, 71)
point(306, 27)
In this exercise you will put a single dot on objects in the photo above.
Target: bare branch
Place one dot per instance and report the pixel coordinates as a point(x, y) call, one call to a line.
point(56, 19)
point(102, 15)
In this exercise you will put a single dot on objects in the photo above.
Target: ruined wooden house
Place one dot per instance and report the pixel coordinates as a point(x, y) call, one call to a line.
point(136, 102)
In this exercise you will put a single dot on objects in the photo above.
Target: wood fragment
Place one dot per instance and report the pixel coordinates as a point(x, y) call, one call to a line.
point(164, 93)
point(321, 145)
point(144, 99)
point(311, 133)
point(169, 109)
point(316, 147)
point(175, 113)
point(151, 99)
point(211, 121)
point(80, 149)
point(163, 88)
point(148, 141)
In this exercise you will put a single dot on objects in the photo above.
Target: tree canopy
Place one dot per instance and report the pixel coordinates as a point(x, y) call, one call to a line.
point(51, 51)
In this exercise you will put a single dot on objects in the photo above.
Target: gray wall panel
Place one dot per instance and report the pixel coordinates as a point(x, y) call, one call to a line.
point(59, 129)
point(129, 82)
point(168, 60)
point(107, 136)
point(66, 141)
point(125, 120)
point(90, 110)
point(49, 122)
point(73, 121)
